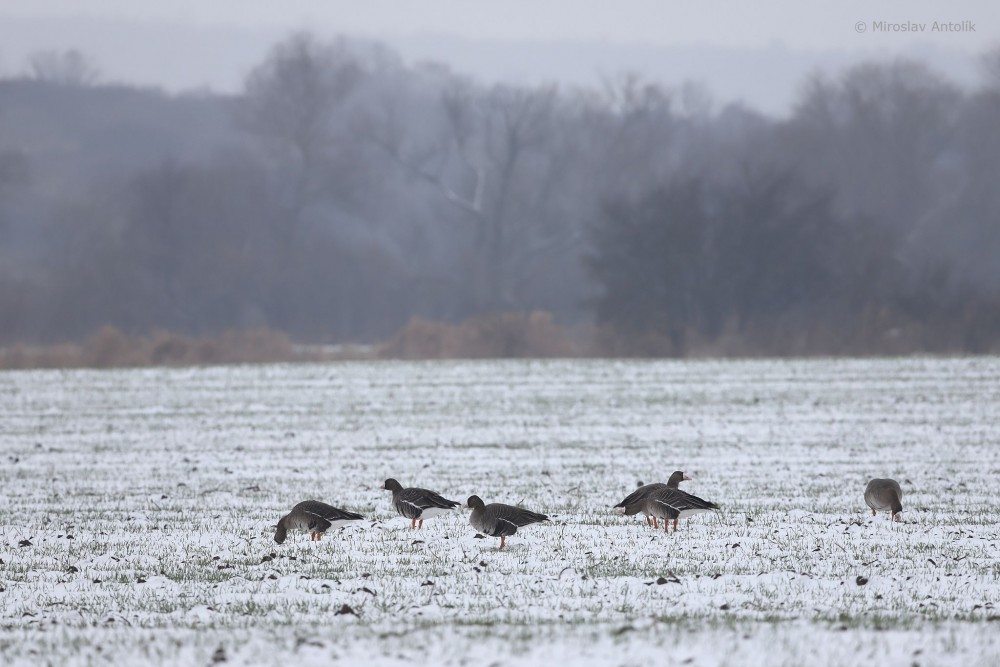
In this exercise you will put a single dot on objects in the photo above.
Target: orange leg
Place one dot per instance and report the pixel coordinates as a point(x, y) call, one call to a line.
point(413, 523)
point(502, 538)
point(655, 525)
point(666, 526)
point(319, 537)
point(874, 513)
point(421, 524)
point(675, 525)
point(648, 522)
point(312, 537)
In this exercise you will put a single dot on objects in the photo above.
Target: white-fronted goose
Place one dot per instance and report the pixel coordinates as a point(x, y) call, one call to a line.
point(314, 516)
point(884, 495)
point(417, 504)
point(635, 502)
point(674, 504)
point(499, 520)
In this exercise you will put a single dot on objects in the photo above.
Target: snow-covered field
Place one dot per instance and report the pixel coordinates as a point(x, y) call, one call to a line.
point(137, 511)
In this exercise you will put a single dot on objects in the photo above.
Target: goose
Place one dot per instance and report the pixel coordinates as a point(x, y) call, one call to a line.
point(314, 516)
point(885, 495)
point(417, 504)
point(674, 504)
point(635, 501)
point(499, 520)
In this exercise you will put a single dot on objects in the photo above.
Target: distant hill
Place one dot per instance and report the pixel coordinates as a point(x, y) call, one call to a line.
point(180, 57)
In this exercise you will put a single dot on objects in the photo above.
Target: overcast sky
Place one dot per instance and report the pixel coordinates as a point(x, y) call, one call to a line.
point(756, 52)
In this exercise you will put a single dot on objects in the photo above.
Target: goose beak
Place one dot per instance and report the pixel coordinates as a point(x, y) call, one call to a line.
point(687, 478)
point(382, 486)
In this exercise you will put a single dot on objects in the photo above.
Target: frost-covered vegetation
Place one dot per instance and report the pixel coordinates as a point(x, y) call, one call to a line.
point(137, 512)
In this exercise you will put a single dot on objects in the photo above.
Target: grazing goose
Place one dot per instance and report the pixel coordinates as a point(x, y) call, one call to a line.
point(499, 520)
point(635, 501)
point(314, 516)
point(417, 504)
point(675, 504)
point(886, 496)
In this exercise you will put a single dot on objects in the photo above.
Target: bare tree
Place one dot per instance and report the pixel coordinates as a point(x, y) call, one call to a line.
point(369, 192)
point(494, 160)
point(290, 102)
point(632, 126)
point(884, 131)
point(749, 256)
point(15, 172)
point(66, 68)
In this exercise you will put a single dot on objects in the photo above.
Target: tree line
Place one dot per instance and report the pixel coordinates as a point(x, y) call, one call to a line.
point(342, 193)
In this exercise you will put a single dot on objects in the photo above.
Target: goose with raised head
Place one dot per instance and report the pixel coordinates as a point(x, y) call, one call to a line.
point(499, 520)
point(417, 504)
point(635, 502)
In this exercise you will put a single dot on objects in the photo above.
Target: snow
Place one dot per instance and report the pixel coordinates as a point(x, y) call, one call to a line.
point(148, 500)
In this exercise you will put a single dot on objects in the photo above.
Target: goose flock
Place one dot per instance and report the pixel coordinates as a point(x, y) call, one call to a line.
point(656, 502)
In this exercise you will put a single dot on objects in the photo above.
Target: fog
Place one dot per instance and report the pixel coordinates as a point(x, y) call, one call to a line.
point(649, 179)
point(742, 52)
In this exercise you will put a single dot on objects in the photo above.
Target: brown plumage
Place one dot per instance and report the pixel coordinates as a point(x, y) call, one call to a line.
point(635, 502)
point(499, 520)
point(314, 516)
point(884, 495)
point(674, 504)
point(417, 504)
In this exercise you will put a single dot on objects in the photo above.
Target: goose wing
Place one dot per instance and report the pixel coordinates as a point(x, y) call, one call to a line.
point(321, 516)
point(640, 494)
point(412, 502)
point(693, 502)
point(431, 499)
point(675, 501)
point(502, 519)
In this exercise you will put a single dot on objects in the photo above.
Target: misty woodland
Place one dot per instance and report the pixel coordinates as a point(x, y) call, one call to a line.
point(345, 197)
